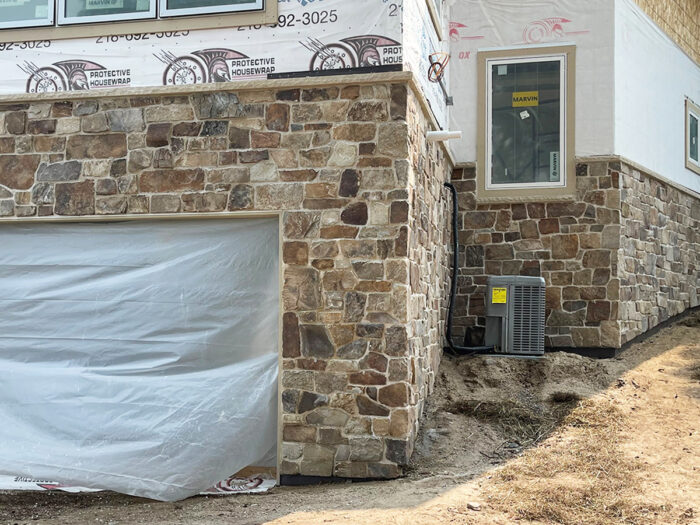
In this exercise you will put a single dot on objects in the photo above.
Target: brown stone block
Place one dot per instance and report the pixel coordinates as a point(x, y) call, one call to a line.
point(368, 111)
point(204, 202)
point(395, 395)
point(41, 144)
point(75, 198)
point(548, 226)
point(590, 293)
point(170, 180)
point(355, 132)
point(299, 433)
point(373, 286)
point(499, 251)
point(339, 280)
point(295, 253)
point(565, 209)
point(323, 264)
point(561, 278)
point(241, 197)
point(553, 298)
point(261, 139)
point(62, 109)
point(291, 341)
point(374, 162)
point(187, 129)
point(598, 311)
point(320, 190)
point(158, 135)
point(350, 92)
point(111, 145)
point(565, 246)
point(367, 407)
point(596, 259)
point(355, 213)
point(323, 204)
point(367, 377)
point(339, 232)
point(536, 210)
point(349, 183)
point(298, 175)
point(528, 230)
point(41, 127)
point(17, 171)
point(302, 289)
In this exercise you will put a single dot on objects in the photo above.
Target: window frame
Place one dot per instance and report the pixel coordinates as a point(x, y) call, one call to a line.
point(490, 64)
point(47, 22)
point(16, 33)
point(693, 110)
point(63, 20)
point(164, 12)
point(565, 188)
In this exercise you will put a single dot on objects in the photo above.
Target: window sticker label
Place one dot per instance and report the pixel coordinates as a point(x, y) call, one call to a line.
point(499, 296)
point(523, 99)
point(554, 166)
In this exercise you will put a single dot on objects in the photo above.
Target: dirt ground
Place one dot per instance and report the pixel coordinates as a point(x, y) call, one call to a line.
point(564, 439)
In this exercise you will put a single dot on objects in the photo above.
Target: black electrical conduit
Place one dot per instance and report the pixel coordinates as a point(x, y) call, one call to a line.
point(458, 350)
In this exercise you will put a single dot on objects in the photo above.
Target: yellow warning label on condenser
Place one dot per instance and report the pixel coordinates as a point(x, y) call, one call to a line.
point(499, 296)
point(523, 99)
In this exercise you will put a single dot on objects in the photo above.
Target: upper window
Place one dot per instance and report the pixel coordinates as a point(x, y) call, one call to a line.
point(18, 14)
point(84, 11)
point(692, 119)
point(526, 138)
point(26, 13)
point(198, 7)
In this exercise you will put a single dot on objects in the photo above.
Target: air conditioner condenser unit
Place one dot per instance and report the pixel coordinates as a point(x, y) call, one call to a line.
point(515, 310)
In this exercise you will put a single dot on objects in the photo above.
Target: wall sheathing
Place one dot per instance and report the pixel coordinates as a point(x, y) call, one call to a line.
point(358, 190)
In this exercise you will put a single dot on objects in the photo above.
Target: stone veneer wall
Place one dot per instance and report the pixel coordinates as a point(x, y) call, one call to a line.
point(659, 259)
point(617, 261)
point(428, 257)
point(572, 245)
point(336, 160)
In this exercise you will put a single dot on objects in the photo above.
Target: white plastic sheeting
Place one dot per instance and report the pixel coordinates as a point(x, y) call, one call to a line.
point(139, 357)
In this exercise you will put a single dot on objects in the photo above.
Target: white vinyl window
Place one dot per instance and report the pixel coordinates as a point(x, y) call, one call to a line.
point(692, 118)
point(88, 11)
point(26, 13)
point(526, 101)
point(202, 7)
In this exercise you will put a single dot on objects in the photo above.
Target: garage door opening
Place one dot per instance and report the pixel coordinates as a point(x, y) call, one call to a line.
point(139, 356)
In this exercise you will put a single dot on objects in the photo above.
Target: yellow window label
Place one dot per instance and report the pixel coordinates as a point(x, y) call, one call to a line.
point(522, 99)
point(499, 296)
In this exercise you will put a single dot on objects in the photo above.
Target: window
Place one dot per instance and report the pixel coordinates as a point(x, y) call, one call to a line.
point(26, 13)
point(22, 20)
point(84, 11)
point(526, 132)
point(692, 119)
point(198, 7)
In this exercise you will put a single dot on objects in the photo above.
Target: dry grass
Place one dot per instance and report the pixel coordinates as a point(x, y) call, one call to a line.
point(577, 476)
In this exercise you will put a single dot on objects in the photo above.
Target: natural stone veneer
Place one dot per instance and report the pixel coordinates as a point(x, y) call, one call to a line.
point(362, 225)
point(617, 261)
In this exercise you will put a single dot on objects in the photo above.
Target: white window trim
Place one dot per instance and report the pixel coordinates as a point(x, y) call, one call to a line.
point(48, 21)
point(490, 63)
point(696, 116)
point(165, 12)
point(67, 20)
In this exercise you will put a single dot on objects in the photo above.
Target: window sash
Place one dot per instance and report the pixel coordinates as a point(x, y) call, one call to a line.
point(136, 15)
point(490, 65)
point(692, 115)
point(35, 22)
point(167, 12)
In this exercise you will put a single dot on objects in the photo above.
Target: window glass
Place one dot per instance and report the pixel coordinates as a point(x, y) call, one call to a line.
point(176, 7)
point(693, 137)
point(526, 122)
point(24, 13)
point(87, 10)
